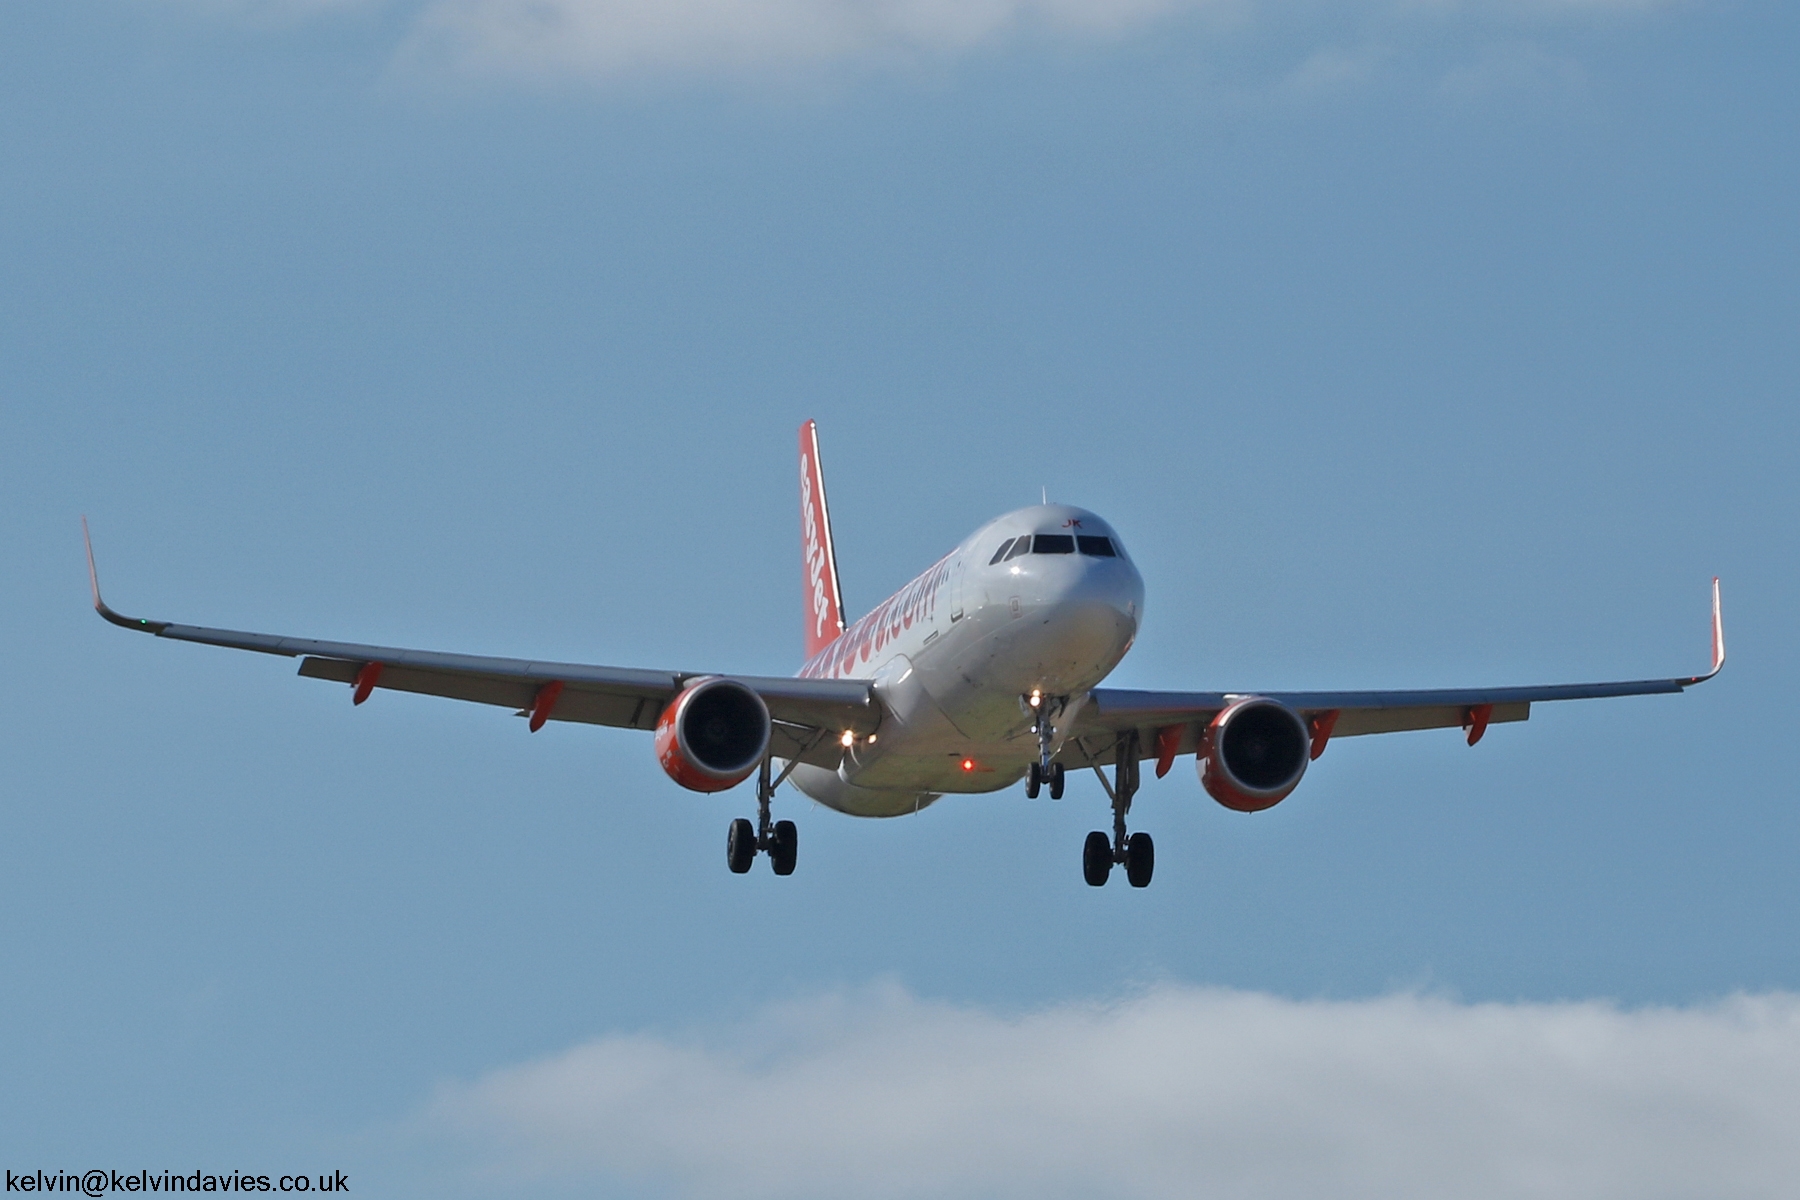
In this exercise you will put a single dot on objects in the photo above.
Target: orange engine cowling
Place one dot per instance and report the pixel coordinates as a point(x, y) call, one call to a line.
point(713, 735)
point(1254, 754)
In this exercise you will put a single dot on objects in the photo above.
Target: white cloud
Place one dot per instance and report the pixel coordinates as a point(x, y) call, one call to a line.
point(614, 37)
point(611, 38)
point(627, 37)
point(604, 39)
point(1181, 1092)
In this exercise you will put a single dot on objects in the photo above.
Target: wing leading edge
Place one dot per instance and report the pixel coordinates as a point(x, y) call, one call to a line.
point(1172, 723)
point(623, 697)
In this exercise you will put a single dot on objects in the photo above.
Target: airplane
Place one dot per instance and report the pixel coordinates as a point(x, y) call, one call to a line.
point(983, 670)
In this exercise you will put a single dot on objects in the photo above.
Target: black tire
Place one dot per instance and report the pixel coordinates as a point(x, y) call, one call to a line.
point(786, 846)
point(1096, 859)
point(1034, 779)
point(1056, 781)
point(740, 846)
point(1140, 859)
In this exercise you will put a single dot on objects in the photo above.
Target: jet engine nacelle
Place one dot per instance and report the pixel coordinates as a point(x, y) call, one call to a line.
point(1254, 754)
point(713, 735)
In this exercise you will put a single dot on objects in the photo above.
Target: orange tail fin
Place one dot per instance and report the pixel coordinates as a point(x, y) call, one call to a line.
point(824, 611)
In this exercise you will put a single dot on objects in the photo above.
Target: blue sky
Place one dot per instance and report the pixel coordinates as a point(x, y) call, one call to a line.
point(1406, 345)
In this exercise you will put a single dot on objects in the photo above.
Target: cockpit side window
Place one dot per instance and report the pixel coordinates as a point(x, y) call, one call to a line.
point(1097, 547)
point(1053, 543)
point(1022, 546)
point(1001, 552)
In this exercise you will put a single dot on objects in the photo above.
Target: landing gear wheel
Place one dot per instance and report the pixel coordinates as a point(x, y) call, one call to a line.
point(740, 846)
point(1140, 859)
point(783, 847)
point(1096, 859)
point(1056, 781)
point(1034, 779)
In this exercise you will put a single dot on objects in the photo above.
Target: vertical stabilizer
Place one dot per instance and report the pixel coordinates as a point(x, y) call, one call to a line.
point(818, 562)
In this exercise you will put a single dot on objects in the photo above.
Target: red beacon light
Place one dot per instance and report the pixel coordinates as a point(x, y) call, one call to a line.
point(968, 764)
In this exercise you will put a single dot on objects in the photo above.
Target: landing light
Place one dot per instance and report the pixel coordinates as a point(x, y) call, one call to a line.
point(1037, 698)
point(848, 740)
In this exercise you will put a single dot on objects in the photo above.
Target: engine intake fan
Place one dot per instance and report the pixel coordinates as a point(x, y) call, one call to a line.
point(1255, 752)
point(713, 735)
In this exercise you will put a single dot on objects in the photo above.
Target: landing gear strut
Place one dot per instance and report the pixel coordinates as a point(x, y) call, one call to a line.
point(778, 839)
point(1135, 851)
point(1043, 710)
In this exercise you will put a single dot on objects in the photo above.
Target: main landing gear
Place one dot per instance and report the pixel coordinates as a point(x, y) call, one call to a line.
point(1136, 852)
point(779, 839)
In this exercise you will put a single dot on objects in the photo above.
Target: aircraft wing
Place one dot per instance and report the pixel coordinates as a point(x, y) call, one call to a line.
point(808, 714)
point(1167, 724)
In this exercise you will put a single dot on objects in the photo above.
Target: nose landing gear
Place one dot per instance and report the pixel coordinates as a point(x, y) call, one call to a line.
point(1043, 711)
point(1136, 852)
point(1035, 778)
point(778, 839)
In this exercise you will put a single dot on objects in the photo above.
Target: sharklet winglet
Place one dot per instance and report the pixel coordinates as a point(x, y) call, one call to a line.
point(1718, 639)
point(137, 623)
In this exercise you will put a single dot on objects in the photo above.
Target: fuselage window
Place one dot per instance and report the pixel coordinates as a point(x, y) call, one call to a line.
point(1053, 543)
point(1001, 552)
point(1022, 546)
point(1099, 547)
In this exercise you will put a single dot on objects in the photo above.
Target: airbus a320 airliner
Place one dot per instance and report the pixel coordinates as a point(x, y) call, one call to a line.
point(983, 671)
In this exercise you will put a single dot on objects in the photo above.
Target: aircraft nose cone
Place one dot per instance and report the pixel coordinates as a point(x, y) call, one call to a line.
point(1095, 630)
point(1104, 594)
point(1070, 620)
point(1090, 616)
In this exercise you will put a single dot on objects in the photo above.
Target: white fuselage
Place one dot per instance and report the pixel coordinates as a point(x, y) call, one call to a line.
point(954, 651)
